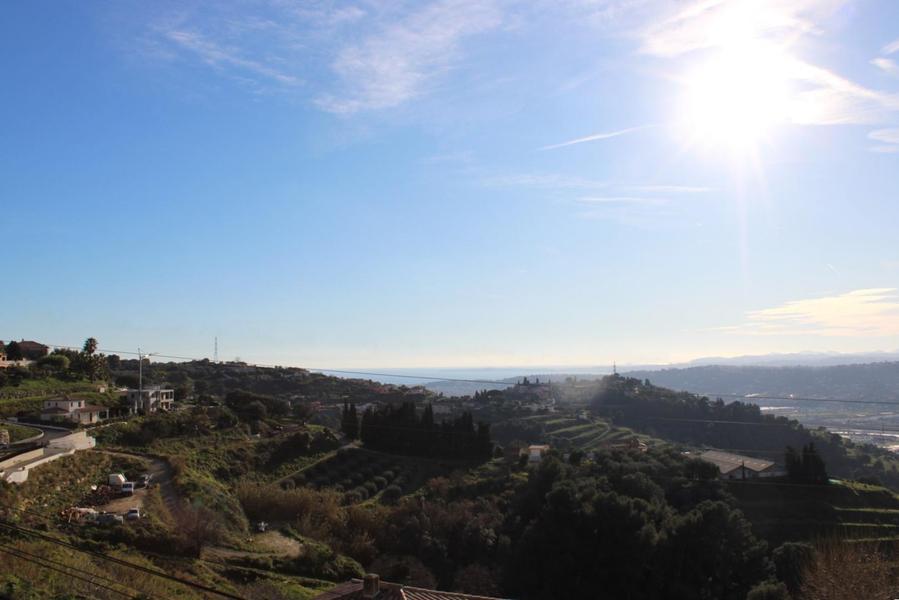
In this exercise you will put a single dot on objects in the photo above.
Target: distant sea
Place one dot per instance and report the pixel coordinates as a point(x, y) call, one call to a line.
point(417, 376)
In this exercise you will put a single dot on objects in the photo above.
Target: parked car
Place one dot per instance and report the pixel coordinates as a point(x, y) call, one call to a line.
point(133, 514)
point(128, 488)
point(109, 519)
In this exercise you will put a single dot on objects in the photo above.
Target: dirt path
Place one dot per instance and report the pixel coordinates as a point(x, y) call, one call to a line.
point(270, 543)
point(162, 475)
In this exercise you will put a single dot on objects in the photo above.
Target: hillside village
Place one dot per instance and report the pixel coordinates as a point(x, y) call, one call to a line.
point(283, 483)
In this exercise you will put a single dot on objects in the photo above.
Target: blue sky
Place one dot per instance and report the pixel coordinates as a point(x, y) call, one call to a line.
point(452, 183)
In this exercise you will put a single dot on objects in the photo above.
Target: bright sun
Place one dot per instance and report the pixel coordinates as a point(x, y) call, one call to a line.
point(736, 98)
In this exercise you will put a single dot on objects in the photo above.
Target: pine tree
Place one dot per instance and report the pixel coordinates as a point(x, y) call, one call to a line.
point(352, 423)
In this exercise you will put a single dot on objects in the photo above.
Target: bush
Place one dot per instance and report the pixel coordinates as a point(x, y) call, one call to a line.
point(270, 503)
point(769, 591)
point(371, 488)
point(391, 494)
point(318, 560)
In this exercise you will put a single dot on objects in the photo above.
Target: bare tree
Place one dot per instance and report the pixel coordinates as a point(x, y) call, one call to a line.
point(200, 526)
point(843, 569)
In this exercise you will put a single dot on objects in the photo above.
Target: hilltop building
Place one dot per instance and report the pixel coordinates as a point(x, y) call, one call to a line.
point(150, 400)
point(736, 466)
point(31, 350)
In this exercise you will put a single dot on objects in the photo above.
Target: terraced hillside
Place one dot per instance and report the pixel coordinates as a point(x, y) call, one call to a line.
point(363, 474)
point(781, 511)
point(563, 431)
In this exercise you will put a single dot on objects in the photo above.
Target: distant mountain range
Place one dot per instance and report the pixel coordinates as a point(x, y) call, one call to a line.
point(810, 359)
point(865, 381)
point(821, 374)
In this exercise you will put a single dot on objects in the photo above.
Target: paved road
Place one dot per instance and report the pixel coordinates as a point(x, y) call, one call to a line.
point(50, 433)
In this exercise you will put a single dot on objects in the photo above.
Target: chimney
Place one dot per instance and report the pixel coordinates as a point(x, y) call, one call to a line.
point(371, 585)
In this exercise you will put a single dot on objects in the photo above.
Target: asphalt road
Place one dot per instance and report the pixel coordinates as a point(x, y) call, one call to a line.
point(50, 433)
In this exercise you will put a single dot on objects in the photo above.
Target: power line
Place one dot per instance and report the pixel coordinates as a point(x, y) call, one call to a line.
point(762, 424)
point(801, 399)
point(119, 561)
point(63, 565)
point(47, 564)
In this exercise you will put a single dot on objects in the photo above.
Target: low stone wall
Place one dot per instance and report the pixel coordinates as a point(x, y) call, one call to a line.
point(16, 468)
point(20, 474)
point(20, 458)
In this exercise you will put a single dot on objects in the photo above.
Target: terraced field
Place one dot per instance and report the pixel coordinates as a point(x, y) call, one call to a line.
point(782, 511)
point(367, 475)
point(567, 432)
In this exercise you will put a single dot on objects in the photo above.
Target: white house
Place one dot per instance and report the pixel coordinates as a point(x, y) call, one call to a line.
point(537, 452)
point(150, 399)
point(75, 410)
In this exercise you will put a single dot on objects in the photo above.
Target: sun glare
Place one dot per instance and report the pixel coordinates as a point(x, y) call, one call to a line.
point(736, 98)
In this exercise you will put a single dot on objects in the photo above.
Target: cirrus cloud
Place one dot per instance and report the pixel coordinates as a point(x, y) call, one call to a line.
point(871, 312)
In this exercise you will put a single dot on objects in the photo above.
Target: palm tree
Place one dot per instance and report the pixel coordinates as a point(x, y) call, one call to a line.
point(90, 345)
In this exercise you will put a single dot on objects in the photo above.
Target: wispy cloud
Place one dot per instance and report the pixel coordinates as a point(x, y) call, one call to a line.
point(572, 182)
point(888, 138)
point(550, 181)
point(621, 200)
point(354, 57)
point(891, 48)
point(398, 62)
point(703, 24)
point(221, 57)
point(670, 189)
point(886, 65)
point(595, 137)
point(872, 312)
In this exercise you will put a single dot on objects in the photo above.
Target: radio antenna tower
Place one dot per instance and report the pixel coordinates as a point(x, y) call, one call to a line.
point(215, 358)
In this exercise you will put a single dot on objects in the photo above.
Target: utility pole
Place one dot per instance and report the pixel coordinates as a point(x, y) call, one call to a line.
point(215, 358)
point(140, 375)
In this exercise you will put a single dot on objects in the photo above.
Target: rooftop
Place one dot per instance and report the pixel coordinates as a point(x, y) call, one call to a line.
point(727, 462)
